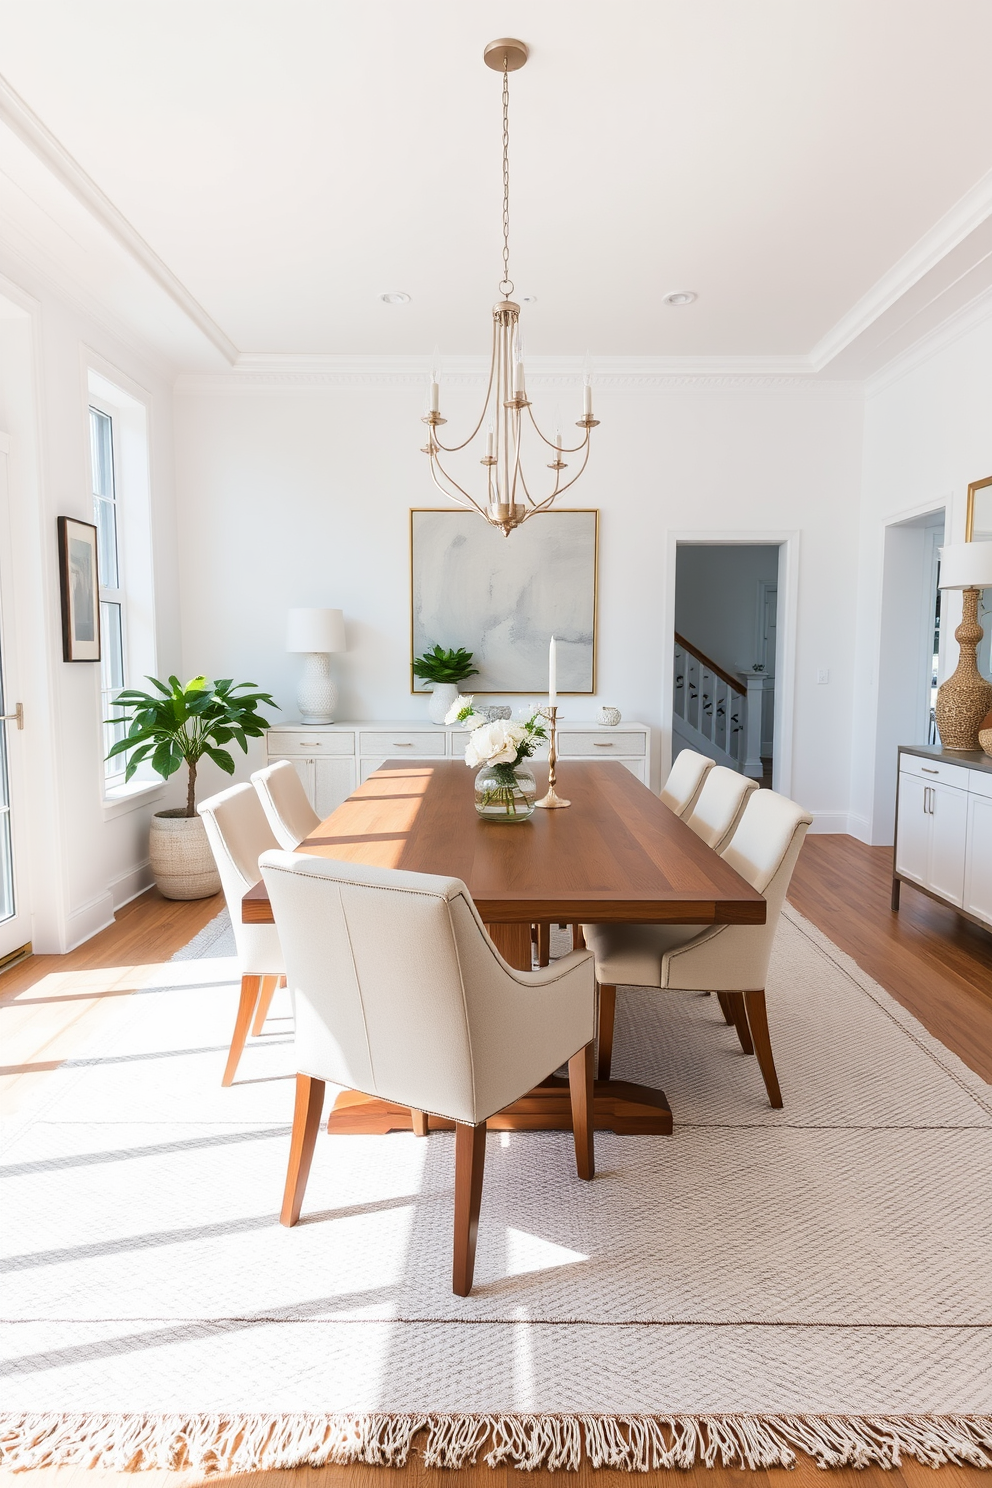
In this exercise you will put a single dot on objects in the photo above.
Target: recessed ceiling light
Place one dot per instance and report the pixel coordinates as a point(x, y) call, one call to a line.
point(395, 297)
point(529, 299)
point(680, 297)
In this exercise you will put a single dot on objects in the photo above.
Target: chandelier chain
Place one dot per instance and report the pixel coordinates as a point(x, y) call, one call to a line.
point(506, 284)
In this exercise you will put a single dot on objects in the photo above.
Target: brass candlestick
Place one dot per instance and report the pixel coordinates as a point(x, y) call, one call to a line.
point(552, 799)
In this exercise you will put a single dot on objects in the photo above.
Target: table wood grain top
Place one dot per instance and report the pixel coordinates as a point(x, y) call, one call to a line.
point(615, 855)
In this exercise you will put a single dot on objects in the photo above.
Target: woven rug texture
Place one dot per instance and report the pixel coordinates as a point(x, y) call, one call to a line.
point(828, 1263)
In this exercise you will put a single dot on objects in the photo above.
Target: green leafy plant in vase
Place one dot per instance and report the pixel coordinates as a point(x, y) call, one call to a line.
point(176, 725)
point(445, 669)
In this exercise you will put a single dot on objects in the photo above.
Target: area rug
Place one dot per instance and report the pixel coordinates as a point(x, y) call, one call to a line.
point(817, 1279)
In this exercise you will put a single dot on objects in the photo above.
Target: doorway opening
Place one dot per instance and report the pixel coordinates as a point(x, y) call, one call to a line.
point(726, 654)
point(908, 654)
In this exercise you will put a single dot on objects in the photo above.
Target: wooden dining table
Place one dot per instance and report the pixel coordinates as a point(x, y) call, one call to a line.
point(616, 855)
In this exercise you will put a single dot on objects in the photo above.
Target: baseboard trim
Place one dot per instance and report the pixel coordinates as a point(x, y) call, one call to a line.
point(840, 823)
point(127, 886)
point(95, 915)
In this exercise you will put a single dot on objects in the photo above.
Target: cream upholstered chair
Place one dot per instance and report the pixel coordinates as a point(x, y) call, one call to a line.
point(285, 804)
point(731, 960)
point(400, 993)
point(238, 834)
point(685, 780)
point(720, 806)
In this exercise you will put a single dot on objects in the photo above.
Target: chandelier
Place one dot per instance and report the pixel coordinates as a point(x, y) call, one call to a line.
point(507, 499)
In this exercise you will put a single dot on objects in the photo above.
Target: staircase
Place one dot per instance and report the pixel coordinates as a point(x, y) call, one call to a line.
point(709, 707)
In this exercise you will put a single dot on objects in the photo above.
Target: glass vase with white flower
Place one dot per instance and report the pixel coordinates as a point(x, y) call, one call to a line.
point(505, 789)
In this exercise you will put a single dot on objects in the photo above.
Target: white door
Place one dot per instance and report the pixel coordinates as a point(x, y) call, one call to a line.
point(15, 918)
point(913, 828)
point(978, 862)
point(949, 822)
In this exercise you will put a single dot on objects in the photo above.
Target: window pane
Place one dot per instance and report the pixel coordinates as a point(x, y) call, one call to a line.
point(102, 448)
point(112, 666)
point(104, 503)
point(105, 513)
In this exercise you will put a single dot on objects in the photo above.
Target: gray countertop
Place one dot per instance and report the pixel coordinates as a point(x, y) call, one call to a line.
point(971, 759)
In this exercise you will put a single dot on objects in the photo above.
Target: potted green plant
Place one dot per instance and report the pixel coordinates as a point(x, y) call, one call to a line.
point(445, 669)
point(179, 726)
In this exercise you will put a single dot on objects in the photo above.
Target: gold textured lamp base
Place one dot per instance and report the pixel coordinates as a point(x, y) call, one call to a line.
point(965, 698)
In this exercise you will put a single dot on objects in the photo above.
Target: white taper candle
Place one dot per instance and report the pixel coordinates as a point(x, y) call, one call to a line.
point(553, 674)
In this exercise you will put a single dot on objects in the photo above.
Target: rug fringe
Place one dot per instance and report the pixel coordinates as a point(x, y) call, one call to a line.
point(256, 1442)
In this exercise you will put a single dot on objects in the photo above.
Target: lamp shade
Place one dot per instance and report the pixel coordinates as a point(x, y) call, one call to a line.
point(966, 566)
point(315, 630)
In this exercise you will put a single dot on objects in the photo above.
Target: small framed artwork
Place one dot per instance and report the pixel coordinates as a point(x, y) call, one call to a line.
point(80, 587)
point(504, 598)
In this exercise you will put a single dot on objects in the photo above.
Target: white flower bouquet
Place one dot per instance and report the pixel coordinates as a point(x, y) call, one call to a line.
point(497, 750)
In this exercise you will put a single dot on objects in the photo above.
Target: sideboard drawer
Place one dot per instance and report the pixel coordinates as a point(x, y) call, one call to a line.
point(309, 745)
point(980, 782)
point(399, 742)
point(934, 770)
point(594, 745)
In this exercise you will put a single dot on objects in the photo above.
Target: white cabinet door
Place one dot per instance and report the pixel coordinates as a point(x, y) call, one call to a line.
point(949, 830)
point(334, 781)
point(978, 859)
point(913, 828)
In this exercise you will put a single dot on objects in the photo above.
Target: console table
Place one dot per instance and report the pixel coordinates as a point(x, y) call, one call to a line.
point(944, 828)
point(333, 759)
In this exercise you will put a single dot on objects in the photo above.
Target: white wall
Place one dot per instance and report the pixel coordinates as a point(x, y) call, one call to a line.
point(928, 433)
point(83, 858)
point(300, 496)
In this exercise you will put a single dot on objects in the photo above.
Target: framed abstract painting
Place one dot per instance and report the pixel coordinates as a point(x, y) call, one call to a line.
point(504, 597)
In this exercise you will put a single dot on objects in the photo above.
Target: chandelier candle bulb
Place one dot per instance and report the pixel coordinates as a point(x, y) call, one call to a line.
point(435, 397)
point(587, 400)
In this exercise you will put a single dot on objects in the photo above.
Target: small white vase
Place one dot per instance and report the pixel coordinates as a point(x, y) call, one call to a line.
point(180, 856)
point(443, 696)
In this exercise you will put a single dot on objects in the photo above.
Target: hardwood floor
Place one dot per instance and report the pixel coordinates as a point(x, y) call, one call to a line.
point(936, 964)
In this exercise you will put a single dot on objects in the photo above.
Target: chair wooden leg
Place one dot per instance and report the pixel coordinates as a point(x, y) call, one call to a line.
point(421, 1123)
point(757, 1017)
point(607, 1013)
point(470, 1161)
point(250, 987)
point(544, 945)
point(578, 939)
point(306, 1120)
point(725, 1008)
point(581, 1096)
point(269, 985)
point(737, 1008)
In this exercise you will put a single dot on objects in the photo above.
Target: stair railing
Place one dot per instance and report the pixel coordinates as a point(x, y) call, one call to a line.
point(710, 701)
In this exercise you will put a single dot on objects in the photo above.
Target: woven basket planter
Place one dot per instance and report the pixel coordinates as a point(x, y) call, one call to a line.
point(180, 857)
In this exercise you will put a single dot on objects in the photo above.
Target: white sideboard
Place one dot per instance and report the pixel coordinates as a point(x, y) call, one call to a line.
point(944, 829)
point(333, 759)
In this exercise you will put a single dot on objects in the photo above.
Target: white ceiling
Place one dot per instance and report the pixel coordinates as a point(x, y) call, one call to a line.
point(248, 175)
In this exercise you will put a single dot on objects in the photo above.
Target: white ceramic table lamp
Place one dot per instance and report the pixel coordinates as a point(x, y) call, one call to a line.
point(316, 633)
point(966, 697)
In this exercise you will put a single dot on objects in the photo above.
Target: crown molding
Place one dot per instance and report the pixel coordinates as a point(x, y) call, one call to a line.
point(29, 262)
point(256, 373)
point(23, 122)
point(975, 313)
point(963, 218)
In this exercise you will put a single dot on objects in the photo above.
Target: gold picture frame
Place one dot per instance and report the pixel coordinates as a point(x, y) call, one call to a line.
point(531, 584)
point(978, 514)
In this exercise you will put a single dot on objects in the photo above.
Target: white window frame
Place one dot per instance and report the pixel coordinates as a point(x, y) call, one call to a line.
point(127, 406)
